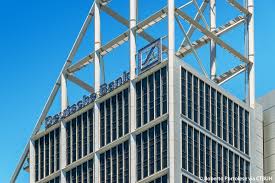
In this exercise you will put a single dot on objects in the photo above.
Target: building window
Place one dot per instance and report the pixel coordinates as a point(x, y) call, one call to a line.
point(189, 94)
point(52, 150)
point(195, 97)
point(183, 91)
point(230, 163)
point(120, 118)
point(241, 124)
point(85, 134)
point(126, 162)
point(47, 155)
point(102, 124)
point(230, 122)
point(108, 122)
point(79, 137)
point(164, 144)
point(219, 120)
point(201, 103)
point(144, 101)
point(236, 166)
point(151, 151)
point(207, 107)
point(184, 145)
point(114, 164)
point(145, 153)
point(247, 170)
point(157, 91)
point(214, 162)
point(114, 118)
point(57, 144)
point(190, 149)
point(120, 163)
point(126, 110)
point(102, 168)
point(164, 89)
point(151, 97)
point(41, 157)
point(241, 168)
point(208, 156)
point(202, 155)
point(91, 171)
point(246, 131)
point(213, 111)
point(224, 116)
point(236, 125)
point(225, 162)
point(219, 161)
point(79, 174)
point(91, 144)
point(196, 152)
point(138, 102)
point(36, 159)
point(73, 140)
point(158, 147)
point(139, 155)
point(108, 166)
point(85, 174)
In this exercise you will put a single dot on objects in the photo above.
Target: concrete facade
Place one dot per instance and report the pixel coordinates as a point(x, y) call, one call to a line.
point(268, 105)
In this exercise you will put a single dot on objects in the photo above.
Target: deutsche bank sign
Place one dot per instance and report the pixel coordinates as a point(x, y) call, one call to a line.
point(149, 55)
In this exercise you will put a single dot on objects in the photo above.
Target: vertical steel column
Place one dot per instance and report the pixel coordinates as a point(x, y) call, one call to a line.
point(64, 104)
point(97, 44)
point(32, 162)
point(212, 42)
point(251, 68)
point(173, 158)
point(133, 22)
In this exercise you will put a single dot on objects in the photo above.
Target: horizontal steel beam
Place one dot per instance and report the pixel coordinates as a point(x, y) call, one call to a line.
point(230, 74)
point(212, 36)
point(80, 83)
point(238, 6)
point(184, 50)
point(122, 38)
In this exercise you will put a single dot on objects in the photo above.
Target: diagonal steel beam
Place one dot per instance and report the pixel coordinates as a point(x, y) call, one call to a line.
point(184, 50)
point(54, 90)
point(197, 18)
point(80, 83)
point(212, 36)
point(230, 74)
point(122, 38)
point(238, 6)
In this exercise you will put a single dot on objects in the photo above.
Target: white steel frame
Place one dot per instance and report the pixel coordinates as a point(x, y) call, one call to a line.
point(211, 35)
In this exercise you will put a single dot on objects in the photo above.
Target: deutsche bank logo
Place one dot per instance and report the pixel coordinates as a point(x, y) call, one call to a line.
point(149, 56)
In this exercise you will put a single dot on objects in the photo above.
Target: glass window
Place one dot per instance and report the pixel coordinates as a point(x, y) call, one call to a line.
point(52, 150)
point(183, 91)
point(196, 152)
point(236, 166)
point(157, 101)
point(144, 101)
point(184, 146)
point(74, 175)
point(85, 134)
point(190, 149)
point(102, 168)
point(219, 161)
point(236, 125)
point(79, 174)
point(91, 172)
point(91, 145)
point(201, 103)
point(230, 163)
point(164, 144)
point(120, 120)
point(114, 164)
point(102, 124)
point(246, 124)
point(41, 157)
point(202, 155)
point(108, 167)
point(151, 97)
point(126, 162)
point(195, 96)
point(145, 153)
point(247, 170)
point(207, 107)
point(214, 158)
point(208, 155)
point(158, 147)
point(189, 93)
point(108, 122)
point(224, 116)
point(126, 110)
point(213, 110)
point(164, 90)
point(84, 169)
point(139, 161)
point(151, 151)
point(230, 122)
point(57, 147)
point(138, 101)
point(241, 129)
point(114, 118)
point(120, 163)
point(225, 162)
point(219, 120)
point(36, 159)
point(79, 137)
point(47, 155)
point(73, 140)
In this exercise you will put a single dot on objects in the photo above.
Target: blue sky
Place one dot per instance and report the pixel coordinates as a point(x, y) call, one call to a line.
point(35, 38)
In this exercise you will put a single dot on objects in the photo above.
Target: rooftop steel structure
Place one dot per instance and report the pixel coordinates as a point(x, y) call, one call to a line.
point(174, 14)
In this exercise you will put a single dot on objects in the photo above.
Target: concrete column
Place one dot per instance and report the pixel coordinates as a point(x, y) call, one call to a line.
point(133, 22)
point(251, 49)
point(97, 71)
point(64, 104)
point(212, 42)
point(174, 170)
point(32, 161)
